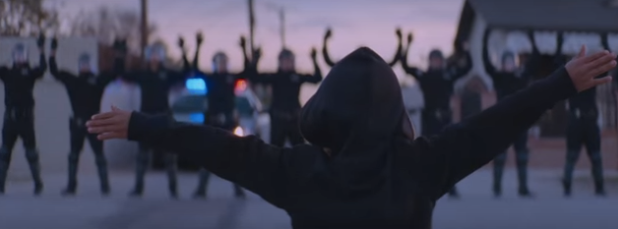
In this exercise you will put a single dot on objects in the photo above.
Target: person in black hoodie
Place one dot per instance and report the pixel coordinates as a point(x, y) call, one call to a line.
point(19, 83)
point(508, 80)
point(155, 83)
point(330, 62)
point(437, 86)
point(85, 90)
point(221, 98)
point(363, 168)
point(286, 84)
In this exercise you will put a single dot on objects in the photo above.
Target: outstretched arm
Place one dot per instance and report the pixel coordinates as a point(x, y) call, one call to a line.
point(254, 75)
point(532, 63)
point(185, 72)
point(248, 68)
point(63, 76)
point(199, 39)
point(40, 70)
point(325, 52)
point(461, 66)
point(397, 56)
point(465, 147)
point(489, 67)
point(414, 71)
point(247, 161)
point(317, 72)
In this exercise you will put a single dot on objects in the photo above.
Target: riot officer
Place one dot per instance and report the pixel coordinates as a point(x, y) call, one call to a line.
point(19, 81)
point(85, 90)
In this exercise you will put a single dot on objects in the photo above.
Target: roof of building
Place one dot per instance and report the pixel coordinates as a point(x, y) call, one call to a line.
point(566, 15)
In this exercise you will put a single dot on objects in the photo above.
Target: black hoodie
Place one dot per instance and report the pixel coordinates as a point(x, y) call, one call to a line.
point(360, 171)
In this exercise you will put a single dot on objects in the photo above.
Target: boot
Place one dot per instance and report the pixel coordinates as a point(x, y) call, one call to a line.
point(239, 192)
point(453, 193)
point(5, 159)
point(597, 174)
point(522, 177)
point(103, 174)
point(72, 183)
point(200, 191)
point(170, 161)
point(497, 185)
point(140, 172)
point(35, 169)
point(566, 185)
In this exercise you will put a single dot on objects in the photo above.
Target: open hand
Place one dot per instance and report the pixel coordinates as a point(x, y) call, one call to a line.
point(410, 37)
point(328, 34)
point(583, 69)
point(398, 32)
point(181, 42)
point(314, 54)
point(243, 42)
point(110, 125)
point(199, 38)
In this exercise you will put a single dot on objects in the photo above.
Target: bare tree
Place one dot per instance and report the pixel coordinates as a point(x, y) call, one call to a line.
point(107, 24)
point(26, 18)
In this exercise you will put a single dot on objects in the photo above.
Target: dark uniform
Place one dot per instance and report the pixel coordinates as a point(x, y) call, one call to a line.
point(155, 86)
point(221, 107)
point(505, 84)
point(583, 130)
point(362, 168)
point(285, 104)
point(19, 115)
point(85, 92)
point(437, 86)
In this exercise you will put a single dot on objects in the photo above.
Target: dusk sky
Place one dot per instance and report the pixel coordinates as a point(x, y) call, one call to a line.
point(354, 22)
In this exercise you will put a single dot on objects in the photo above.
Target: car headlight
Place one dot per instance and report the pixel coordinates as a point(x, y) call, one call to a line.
point(238, 131)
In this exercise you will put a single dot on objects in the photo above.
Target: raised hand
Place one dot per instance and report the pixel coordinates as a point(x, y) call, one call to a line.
point(110, 125)
point(314, 54)
point(181, 42)
point(329, 33)
point(243, 42)
point(199, 38)
point(41, 41)
point(410, 37)
point(398, 33)
point(257, 54)
point(54, 43)
point(583, 69)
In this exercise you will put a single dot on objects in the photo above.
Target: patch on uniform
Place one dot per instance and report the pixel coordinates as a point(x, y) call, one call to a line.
point(162, 75)
point(295, 78)
point(92, 80)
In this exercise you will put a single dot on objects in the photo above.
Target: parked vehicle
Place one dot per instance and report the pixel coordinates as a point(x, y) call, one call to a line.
point(193, 104)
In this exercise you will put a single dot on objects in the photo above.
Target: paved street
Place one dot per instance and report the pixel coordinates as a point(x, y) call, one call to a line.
point(476, 210)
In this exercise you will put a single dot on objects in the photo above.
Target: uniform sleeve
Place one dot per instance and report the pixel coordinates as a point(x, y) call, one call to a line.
point(465, 147)
point(316, 77)
point(247, 161)
point(40, 70)
point(3, 72)
point(62, 76)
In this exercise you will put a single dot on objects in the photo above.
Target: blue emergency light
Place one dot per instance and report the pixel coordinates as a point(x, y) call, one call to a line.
point(196, 118)
point(196, 86)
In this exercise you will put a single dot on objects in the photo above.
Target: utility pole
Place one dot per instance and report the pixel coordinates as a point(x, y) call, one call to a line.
point(282, 29)
point(251, 26)
point(144, 27)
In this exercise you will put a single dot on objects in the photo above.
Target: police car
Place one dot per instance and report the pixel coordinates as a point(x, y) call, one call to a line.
point(191, 106)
